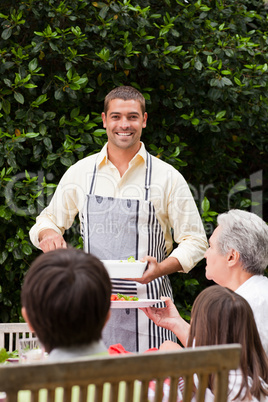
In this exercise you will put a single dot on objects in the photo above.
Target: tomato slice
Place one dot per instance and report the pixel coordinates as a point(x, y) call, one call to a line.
point(119, 296)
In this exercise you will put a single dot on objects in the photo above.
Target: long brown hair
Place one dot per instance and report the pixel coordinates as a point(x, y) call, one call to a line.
point(220, 316)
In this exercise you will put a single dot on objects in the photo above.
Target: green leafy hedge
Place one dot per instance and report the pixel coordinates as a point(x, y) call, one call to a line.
point(202, 67)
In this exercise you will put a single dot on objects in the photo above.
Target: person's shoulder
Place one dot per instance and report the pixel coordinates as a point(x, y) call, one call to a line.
point(255, 281)
point(158, 163)
point(255, 291)
point(259, 281)
point(166, 173)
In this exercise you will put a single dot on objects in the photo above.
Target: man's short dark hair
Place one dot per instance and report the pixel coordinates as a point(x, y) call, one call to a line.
point(126, 93)
point(66, 294)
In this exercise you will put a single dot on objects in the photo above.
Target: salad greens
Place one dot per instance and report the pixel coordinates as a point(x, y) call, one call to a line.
point(4, 355)
point(128, 298)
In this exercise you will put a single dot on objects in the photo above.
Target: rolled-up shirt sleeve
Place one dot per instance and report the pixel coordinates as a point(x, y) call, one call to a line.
point(59, 215)
point(188, 229)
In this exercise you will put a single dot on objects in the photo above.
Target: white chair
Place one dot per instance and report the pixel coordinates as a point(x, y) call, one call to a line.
point(77, 379)
point(11, 333)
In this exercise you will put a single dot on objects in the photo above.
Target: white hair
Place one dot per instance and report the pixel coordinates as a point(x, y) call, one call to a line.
point(246, 233)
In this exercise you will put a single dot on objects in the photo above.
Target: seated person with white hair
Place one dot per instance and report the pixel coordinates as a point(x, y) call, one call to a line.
point(237, 258)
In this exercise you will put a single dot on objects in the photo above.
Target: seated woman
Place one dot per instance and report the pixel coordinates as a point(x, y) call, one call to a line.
point(220, 316)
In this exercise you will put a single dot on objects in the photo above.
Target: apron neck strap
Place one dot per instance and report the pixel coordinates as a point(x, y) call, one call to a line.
point(93, 179)
point(148, 175)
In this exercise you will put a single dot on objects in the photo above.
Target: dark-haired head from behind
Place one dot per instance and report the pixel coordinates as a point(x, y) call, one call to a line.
point(66, 297)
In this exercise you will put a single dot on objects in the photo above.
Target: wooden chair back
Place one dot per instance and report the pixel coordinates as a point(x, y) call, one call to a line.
point(80, 373)
point(11, 333)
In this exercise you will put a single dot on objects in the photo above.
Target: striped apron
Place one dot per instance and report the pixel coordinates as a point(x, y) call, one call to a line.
point(115, 229)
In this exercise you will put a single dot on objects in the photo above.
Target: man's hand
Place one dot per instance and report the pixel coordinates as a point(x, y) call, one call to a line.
point(157, 269)
point(152, 271)
point(50, 240)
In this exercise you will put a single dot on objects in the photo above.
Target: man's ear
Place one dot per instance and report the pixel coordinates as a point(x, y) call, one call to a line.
point(103, 116)
point(233, 257)
point(145, 117)
point(25, 316)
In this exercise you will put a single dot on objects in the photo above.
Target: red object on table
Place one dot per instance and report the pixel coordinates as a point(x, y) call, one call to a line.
point(117, 349)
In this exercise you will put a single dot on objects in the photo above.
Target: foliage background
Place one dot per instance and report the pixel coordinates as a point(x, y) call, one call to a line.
point(202, 67)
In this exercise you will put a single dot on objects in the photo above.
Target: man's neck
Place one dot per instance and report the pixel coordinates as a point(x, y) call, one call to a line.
point(120, 158)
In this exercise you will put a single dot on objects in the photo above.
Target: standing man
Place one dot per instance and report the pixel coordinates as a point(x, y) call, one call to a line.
point(129, 203)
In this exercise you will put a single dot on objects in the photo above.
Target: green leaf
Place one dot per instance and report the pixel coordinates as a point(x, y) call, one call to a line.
point(238, 82)
point(191, 282)
point(174, 67)
point(30, 86)
point(19, 97)
point(227, 81)
point(32, 135)
point(81, 81)
point(33, 65)
point(103, 12)
point(27, 249)
point(41, 99)
point(20, 232)
point(3, 256)
point(90, 125)
point(6, 33)
point(209, 60)
point(198, 65)
point(205, 205)
point(75, 112)
point(185, 116)
point(221, 114)
point(6, 106)
point(66, 161)
point(99, 132)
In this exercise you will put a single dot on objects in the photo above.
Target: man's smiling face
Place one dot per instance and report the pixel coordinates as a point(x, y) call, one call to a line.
point(124, 122)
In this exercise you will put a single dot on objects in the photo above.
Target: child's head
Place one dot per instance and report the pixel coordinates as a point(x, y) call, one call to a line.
point(66, 298)
point(220, 316)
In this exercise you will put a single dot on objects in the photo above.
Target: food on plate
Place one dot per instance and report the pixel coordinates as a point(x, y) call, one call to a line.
point(131, 259)
point(120, 297)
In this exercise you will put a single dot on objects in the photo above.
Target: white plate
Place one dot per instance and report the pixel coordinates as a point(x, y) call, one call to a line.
point(124, 269)
point(135, 304)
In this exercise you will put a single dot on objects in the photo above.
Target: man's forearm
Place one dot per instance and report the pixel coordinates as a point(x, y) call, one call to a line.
point(170, 265)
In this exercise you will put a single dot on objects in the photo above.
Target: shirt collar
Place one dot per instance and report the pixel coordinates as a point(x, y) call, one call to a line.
point(72, 352)
point(103, 155)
